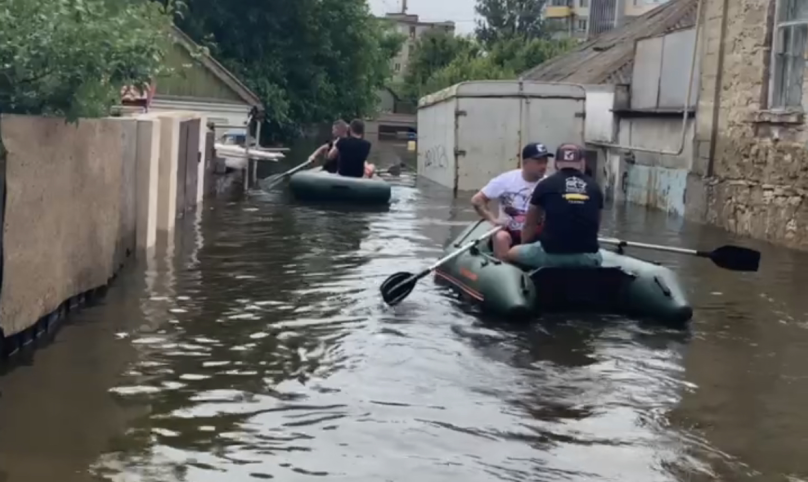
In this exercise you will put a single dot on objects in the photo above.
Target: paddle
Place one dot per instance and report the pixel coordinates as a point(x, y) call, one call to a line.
point(734, 258)
point(400, 285)
point(286, 174)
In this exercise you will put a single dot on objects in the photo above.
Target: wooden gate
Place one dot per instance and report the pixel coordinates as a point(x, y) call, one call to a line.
point(188, 159)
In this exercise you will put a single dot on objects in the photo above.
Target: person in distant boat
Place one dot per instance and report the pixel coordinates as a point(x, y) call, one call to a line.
point(512, 190)
point(352, 151)
point(569, 204)
point(338, 130)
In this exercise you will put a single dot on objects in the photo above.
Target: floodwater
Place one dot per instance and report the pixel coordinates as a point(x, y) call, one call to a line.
point(257, 348)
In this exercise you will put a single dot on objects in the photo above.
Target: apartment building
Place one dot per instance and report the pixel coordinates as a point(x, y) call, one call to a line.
point(585, 19)
point(411, 26)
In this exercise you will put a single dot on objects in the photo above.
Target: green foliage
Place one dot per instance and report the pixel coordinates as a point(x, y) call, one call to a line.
point(441, 60)
point(508, 19)
point(309, 60)
point(72, 57)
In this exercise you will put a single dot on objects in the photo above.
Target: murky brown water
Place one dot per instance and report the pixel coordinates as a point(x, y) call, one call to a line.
point(260, 350)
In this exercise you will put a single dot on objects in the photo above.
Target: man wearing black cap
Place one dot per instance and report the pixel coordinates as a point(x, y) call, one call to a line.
point(570, 203)
point(512, 190)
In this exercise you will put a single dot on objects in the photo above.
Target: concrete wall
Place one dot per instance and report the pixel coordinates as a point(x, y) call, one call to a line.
point(755, 159)
point(81, 200)
point(63, 213)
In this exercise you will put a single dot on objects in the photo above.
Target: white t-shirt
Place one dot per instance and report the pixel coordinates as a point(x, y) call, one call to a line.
point(513, 195)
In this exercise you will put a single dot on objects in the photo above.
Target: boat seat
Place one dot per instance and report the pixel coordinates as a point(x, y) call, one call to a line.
point(582, 289)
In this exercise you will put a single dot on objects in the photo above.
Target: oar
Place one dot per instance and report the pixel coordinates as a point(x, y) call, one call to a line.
point(734, 258)
point(400, 285)
point(286, 174)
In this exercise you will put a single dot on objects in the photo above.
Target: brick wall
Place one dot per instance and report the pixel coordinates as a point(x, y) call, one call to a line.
point(758, 180)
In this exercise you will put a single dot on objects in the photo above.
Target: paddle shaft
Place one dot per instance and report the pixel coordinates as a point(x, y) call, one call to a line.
point(289, 173)
point(455, 254)
point(670, 249)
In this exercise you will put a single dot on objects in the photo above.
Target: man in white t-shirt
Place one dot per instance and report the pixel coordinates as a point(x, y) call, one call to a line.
point(512, 190)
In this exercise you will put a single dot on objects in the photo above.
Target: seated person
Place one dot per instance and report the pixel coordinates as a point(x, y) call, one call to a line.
point(512, 191)
point(570, 204)
point(351, 152)
point(338, 130)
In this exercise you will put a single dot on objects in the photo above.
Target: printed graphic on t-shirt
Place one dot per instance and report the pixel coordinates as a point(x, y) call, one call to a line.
point(575, 190)
point(514, 205)
point(513, 195)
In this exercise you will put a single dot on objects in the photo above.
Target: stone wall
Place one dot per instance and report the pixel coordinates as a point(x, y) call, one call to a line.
point(755, 161)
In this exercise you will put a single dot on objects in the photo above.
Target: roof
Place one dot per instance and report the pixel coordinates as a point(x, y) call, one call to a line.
point(217, 69)
point(609, 58)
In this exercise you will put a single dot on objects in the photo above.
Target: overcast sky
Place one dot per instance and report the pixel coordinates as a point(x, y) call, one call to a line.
point(461, 11)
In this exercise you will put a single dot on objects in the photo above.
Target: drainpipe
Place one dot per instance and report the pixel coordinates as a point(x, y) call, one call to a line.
point(719, 77)
point(686, 103)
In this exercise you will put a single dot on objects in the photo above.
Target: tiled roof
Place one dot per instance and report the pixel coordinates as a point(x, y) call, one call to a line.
point(609, 58)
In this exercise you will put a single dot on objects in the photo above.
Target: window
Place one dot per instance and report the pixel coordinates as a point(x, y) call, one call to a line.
point(584, 3)
point(412, 32)
point(397, 68)
point(582, 24)
point(788, 64)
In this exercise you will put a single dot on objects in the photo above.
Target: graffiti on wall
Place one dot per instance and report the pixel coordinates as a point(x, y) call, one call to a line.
point(436, 158)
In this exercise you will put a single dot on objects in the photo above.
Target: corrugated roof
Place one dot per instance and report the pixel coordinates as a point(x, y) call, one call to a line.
point(609, 58)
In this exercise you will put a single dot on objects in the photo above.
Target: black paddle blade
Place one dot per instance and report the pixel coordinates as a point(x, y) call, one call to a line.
point(397, 287)
point(735, 258)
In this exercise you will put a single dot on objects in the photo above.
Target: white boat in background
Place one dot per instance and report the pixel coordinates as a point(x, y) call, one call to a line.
point(231, 149)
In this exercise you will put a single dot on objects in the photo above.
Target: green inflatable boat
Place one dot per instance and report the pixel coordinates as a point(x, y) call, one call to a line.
point(622, 285)
point(319, 185)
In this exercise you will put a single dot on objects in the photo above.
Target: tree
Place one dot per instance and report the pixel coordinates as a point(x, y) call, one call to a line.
point(508, 19)
point(309, 60)
point(435, 50)
point(72, 57)
point(517, 55)
point(464, 69)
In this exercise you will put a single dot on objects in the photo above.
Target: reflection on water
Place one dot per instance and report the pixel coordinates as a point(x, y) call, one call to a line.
point(258, 348)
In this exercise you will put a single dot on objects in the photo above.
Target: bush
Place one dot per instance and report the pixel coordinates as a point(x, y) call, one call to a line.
point(71, 58)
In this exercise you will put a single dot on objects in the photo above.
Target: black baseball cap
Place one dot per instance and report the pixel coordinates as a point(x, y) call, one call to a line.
point(569, 153)
point(535, 150)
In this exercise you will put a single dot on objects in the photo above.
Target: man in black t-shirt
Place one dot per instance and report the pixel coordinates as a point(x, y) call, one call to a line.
point(570, 202)
point(351, 151)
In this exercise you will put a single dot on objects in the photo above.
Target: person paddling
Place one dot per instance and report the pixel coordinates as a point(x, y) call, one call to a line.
point(512, 190)
point(338, 130)
point(569, 202)
point(352, 151)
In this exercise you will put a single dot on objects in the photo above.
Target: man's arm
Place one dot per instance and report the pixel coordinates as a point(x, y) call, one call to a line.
point(480, 202)
point(533, 217)
point(334, 152)
point(319, 152)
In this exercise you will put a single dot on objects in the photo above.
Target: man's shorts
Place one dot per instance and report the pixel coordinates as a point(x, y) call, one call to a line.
point(516, 236)
point(533, 256)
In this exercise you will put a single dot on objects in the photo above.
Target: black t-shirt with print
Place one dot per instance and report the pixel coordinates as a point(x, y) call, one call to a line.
point(571, 201)
point(353, 152)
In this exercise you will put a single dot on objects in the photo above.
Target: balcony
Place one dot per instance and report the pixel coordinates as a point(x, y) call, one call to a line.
point(557, 11)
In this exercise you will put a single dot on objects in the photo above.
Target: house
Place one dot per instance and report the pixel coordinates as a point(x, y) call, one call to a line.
point(199, 84)
point(734, 153)
point(586, 19)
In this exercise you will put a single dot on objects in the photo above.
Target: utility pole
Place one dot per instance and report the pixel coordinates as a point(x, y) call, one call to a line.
point(404, 6)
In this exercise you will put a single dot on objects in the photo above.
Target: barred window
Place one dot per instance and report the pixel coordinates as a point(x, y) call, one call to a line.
point(790, 35)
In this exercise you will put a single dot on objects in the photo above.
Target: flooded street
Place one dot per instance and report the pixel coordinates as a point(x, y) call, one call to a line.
point(259, 348)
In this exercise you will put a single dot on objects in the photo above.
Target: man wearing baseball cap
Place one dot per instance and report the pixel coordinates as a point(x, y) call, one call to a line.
point(569, 202)
point(512, 190)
